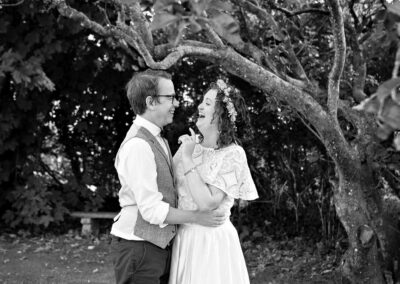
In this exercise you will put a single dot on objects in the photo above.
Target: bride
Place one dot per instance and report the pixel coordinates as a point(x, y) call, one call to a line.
point(211, 172)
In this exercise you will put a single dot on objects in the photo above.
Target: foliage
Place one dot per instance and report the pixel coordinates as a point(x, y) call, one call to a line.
point(77, 111)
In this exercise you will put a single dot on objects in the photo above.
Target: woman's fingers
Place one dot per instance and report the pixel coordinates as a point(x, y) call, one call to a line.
point(192, 134)
point(183, 138)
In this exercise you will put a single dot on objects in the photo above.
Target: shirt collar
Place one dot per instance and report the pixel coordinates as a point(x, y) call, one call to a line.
point(154, 129)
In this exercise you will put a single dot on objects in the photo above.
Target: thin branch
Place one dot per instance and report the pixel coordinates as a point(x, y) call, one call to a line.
point(105, 15)
point(353, 14)
point(212, 35)
point(263, 15)
point(340, 55)
point(309, 127)
point(358, 63)
point(383, 2)
point(298, 12)
point(122, 34)
point(12, 5)
point(47, 169)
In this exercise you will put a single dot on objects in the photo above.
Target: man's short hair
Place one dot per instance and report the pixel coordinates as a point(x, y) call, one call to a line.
point(141, 86)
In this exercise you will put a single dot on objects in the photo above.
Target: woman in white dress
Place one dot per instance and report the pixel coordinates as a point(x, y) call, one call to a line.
point(211, 172)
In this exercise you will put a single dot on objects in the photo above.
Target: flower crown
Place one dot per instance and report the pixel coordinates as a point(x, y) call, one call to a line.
point(227, 100)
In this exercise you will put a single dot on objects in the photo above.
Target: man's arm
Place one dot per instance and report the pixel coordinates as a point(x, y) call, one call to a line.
point(137, 168)
point(204, 218)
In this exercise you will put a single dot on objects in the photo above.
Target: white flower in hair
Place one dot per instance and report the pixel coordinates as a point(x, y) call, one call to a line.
point(227, 100)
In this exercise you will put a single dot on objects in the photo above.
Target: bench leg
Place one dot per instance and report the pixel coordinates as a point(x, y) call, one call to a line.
point(89, 226)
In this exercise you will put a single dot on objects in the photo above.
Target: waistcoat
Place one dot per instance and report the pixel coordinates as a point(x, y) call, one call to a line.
point(166, 186)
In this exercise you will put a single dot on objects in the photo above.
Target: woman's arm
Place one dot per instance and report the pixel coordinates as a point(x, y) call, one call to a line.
point(207, 197)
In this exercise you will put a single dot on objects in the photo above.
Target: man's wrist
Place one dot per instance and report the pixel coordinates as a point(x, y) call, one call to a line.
point(187, 162)
point(193, 217)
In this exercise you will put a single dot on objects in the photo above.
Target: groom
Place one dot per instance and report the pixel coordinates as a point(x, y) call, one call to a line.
point(144, 229)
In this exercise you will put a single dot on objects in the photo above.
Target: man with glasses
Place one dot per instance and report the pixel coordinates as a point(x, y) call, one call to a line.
point(144, 229)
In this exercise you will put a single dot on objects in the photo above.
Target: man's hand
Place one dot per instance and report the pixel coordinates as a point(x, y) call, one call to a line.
point(210, 218)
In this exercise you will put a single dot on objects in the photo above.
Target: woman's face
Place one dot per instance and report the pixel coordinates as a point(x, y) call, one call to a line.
point(206, 121)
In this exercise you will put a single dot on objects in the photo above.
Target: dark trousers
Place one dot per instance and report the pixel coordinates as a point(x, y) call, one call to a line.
point(140, 262)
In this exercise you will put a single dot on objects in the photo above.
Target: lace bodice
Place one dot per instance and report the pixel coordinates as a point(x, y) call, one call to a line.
point(225, 169)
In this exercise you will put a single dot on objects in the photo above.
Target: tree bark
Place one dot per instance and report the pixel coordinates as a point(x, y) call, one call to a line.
point(362, 261)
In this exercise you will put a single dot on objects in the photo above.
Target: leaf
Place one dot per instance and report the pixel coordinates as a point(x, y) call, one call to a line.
point(370, 105)
point(194, 26)
point(396, 143)
point(161, 20)
point(200, 6)
point(221, 5)
point(394, 9)
point(181, 27)
point(365, 234)
point(390, 113)
point(383, 131)
point(127, 1)
point(161, 5)
point(388, 86)
point(226, 27)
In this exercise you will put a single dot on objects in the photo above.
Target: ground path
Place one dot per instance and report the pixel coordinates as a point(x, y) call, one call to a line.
point(72, 259)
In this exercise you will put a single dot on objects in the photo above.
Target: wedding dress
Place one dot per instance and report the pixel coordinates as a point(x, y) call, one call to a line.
point(212, 255)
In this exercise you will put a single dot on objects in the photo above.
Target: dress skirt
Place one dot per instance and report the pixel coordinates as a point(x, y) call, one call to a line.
point(208, 255)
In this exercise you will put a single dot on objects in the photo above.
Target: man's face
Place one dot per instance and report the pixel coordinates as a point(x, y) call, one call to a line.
point(164, 111)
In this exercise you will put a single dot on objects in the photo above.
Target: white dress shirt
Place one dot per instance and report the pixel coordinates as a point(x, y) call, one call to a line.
point(136, 167)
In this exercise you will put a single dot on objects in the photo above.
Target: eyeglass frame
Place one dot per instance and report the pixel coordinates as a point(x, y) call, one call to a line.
point(174, 97)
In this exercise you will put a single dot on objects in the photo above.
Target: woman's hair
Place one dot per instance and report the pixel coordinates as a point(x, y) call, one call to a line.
point(141, 86)
point(231, 112)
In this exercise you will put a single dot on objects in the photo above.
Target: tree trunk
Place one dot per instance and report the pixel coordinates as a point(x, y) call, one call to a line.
point(356, 200)
point(362, 261)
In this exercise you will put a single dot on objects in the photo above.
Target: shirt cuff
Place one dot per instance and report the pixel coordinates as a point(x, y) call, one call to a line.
point(164, 213)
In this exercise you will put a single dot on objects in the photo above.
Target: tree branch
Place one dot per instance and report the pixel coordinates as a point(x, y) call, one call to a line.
point(298, 12)
point(263, 15)
point(353, 14)
point(340, 55)
point(161, 51)
point(121, 33)
point(12, 5)
point(186, 50)
point(108, 32)
point(212, 35)
point(47, 169)
point(309, 127)
point(140, 24)
point(359, 65)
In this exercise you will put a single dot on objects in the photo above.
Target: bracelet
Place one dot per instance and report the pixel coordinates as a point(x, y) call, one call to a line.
point(193, 169)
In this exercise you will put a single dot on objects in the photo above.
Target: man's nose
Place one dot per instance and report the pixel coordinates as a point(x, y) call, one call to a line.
point(176, 103)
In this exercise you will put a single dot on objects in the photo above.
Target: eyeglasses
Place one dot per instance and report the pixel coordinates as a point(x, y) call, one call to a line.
point(172, 98)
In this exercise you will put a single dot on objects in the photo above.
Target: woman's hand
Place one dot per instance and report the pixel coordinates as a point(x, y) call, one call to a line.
point(188, 143)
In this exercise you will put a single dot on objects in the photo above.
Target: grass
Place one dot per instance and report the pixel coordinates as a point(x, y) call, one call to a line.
point(72, 259)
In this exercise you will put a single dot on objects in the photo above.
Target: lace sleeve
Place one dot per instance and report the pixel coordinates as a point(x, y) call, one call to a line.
point(231, 174)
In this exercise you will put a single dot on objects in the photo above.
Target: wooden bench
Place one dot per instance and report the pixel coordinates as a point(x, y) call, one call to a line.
point(89, 222)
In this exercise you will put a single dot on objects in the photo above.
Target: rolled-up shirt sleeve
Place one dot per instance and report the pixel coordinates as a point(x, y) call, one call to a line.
point(137, 167)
